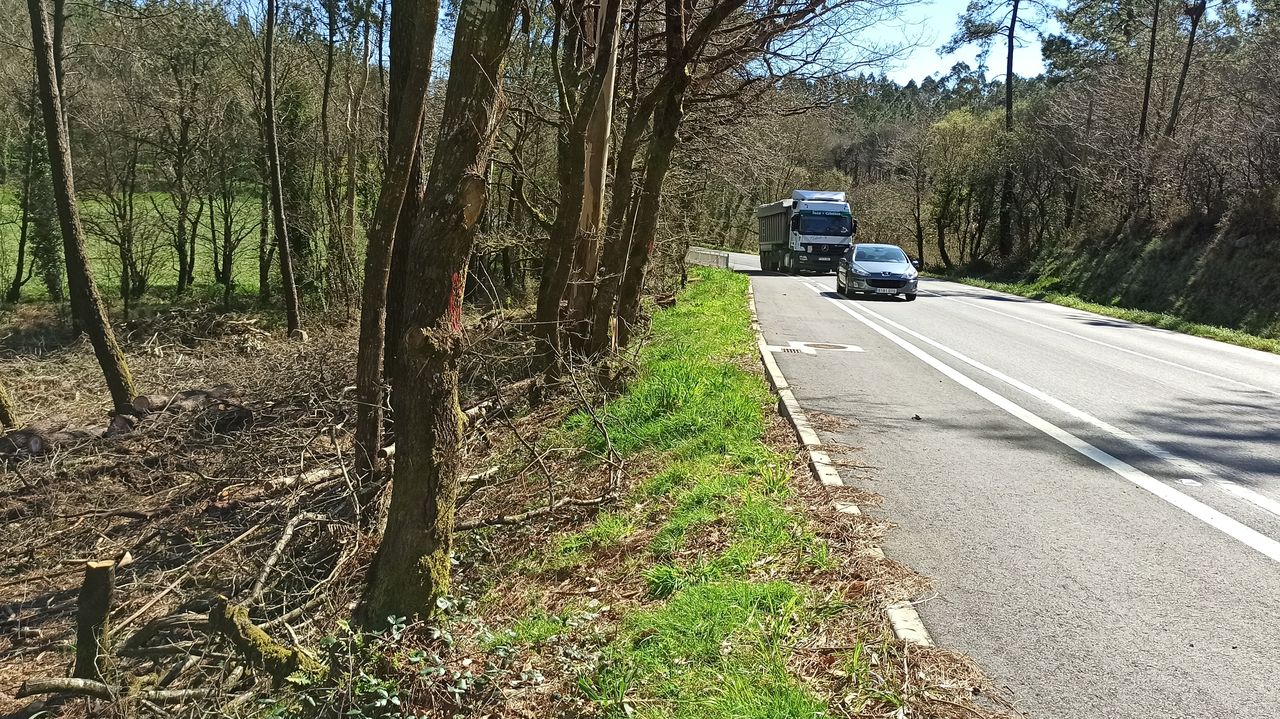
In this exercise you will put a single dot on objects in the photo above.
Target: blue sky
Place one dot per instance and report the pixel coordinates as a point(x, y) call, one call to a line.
point(933, 22)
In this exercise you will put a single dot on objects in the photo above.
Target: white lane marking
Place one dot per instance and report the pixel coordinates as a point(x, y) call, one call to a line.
point(1135, 353)
point(1223, 523)
point(1194, 468)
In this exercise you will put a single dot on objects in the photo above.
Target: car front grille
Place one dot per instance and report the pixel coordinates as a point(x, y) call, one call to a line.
point(892, 284)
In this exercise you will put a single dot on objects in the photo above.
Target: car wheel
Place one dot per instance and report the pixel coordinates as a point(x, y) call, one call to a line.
point(910, 297)
point(840, 289)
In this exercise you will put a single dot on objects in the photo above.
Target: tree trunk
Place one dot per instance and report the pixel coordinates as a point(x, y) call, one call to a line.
point(572, 169)
point(666, 125)
point(85, 300)
point(618, 231)
point(1006, 183)
point(403, 34)
point(401, 158)
point(24, 223)
point(1151, 67)
point(288, 285)
point(411, 569)
point(8, 413)
point(586, 256)
point(1195, 11)
point(91, 618)
point(941, 229)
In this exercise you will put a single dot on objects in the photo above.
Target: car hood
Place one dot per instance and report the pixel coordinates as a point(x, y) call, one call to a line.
point(897, 269)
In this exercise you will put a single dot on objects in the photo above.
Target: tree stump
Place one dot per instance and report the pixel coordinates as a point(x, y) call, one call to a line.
point(91, 618)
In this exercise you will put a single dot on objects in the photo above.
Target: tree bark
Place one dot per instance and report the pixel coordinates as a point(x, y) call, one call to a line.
point(586, 256)
point(411, 569)
point(1195, 11)
point(94, 607)
point(1005, 237)
point(403, 34)
point(1151, 67)
point(86, 302)
point(572, 167)
point(401, 159)
point(8, 413)
point(288, 284)
point(666, 126)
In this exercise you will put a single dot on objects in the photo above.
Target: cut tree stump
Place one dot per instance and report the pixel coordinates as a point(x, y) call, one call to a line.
point(91, 618)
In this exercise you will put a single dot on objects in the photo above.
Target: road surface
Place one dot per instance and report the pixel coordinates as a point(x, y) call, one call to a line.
point(1097, 502)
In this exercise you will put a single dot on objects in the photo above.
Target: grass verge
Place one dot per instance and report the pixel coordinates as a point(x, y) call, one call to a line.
point(721, 584)
point(1045, 290)
point(724, 584)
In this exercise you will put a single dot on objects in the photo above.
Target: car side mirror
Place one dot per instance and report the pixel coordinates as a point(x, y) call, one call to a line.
point(917, 264)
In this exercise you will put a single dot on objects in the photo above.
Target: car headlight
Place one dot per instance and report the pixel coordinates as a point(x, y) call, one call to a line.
point(859, 271)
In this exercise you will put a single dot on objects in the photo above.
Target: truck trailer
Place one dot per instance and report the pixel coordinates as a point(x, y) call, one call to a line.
point(809, 232)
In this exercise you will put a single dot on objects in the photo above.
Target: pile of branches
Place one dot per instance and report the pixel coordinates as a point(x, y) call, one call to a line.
point(233, 530)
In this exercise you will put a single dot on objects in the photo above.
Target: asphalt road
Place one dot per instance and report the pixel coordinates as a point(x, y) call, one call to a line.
point(1097, 502)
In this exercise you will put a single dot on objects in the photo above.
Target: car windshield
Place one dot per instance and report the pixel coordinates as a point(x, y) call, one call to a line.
point(839, 225)
point(872, 253)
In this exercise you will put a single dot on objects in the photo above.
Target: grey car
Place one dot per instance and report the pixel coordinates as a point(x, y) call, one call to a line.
point(877, 269)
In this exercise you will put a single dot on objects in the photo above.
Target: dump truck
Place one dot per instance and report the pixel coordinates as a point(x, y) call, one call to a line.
point(807, 233)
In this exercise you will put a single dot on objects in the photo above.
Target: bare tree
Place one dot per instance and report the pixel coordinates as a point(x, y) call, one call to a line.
point(412, 567)
point(402, 156)
point(86, 301)
point(289, 286)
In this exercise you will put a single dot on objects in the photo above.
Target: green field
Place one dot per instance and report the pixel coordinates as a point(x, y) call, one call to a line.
point(104, 259)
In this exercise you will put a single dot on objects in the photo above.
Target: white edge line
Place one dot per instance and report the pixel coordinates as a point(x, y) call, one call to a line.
point(1191, 467)
point(903, 617)
point(1108, 345)
point(1227, 525)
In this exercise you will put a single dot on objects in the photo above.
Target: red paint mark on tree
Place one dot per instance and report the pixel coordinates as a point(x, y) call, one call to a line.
point(455, 302)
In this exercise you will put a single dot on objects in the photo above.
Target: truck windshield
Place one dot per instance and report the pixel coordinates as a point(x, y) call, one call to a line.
point(840, 225)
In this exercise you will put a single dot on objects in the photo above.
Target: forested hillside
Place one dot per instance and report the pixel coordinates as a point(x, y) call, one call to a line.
point(1140, 169)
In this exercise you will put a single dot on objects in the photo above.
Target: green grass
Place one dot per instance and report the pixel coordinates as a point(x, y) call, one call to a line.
point(1045, 290)
point(714, 639)
point(105, 265)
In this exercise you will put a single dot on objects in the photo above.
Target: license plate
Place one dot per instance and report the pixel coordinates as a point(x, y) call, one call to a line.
point(825, 259)
point(886, 291)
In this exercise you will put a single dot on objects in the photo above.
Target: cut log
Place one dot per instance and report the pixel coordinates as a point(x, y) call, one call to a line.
point(91, 618)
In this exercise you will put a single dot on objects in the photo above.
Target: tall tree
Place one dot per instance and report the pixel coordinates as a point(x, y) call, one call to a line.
point(982, 23)
point(274, 176)
point(1194, 11)
point(412, 567)
point(1151, 70)
point(402, 156)
point(85, 299)
point(578, 108)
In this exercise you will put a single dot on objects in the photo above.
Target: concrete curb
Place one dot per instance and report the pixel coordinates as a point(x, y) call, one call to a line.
point(903, 616)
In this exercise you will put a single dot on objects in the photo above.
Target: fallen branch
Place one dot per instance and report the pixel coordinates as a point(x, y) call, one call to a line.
point(187, 572)
point(99, 690)
point(260, 585)
point(539, 512)
point(256, 646)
